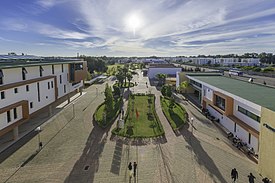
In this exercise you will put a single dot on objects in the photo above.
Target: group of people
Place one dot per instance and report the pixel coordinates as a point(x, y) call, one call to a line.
point(130, 168)
point(251, 177)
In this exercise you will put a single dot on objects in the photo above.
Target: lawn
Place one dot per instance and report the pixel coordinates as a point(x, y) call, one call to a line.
point(141, 119)
point(99, 114)
point(125, 86)
point(177, 117)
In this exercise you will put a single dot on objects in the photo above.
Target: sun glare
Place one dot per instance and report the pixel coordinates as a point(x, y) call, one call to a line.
point(133, 23)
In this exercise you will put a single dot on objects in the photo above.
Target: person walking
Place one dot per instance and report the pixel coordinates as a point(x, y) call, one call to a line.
point(234, 174)
point(251, 178)
point(135, 169)
point(130, 167)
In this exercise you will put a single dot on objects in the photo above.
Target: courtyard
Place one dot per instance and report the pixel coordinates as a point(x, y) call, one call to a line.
point(77, 150)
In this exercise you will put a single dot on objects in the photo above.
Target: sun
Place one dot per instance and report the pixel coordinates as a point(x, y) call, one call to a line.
point(133, 22)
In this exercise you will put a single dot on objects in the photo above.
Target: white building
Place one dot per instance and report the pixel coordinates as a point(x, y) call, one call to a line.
point(203, 61)
point(169, 69)
point(250, 61)
point(26, 86)
point(227, 61)
point(237, 104)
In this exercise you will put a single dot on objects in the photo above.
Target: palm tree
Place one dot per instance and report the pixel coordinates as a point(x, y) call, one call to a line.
point(129, 78)
point(125, 70)
point(161, 77)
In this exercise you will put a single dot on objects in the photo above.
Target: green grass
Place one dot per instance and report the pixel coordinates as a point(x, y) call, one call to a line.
point(177, 117)
point(125, 86)
point(146, 124)
point(99, 113)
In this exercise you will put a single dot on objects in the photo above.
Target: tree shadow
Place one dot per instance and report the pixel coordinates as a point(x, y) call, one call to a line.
point(115, 168)
point(176, 118)
point(87, 165)
point(201, 155)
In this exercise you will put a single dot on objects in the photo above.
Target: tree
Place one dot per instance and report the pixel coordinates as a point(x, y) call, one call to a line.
point(129, 77)
point(183, 86)
point(166, 90)
point(120, 77)
point(89, 77)
point(125, 70)
point(116, 90)
point(161, 77)
point(171, 104)
point(109, 100)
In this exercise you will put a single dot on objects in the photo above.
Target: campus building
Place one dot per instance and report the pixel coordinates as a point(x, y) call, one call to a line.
point(245, 109)
point(29, 84)
point(169, 69)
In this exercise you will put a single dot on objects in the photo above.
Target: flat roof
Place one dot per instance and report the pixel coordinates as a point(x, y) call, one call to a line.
point(8, 64)
point(258, 94)
point(163, 66)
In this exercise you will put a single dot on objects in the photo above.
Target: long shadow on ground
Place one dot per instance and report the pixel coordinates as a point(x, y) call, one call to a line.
point(85, 168)
point(201, 155)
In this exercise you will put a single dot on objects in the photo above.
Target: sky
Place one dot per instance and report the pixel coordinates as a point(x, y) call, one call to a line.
point(136, 27)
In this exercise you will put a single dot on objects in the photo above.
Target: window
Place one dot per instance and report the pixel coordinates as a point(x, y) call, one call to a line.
point(49, 87)
point(220, 102)
point(14, 113)
point(1, 77)
point(78, 66)
point(15, 90)
point(41, 71)
point(249, 114)
point(52, 83)
point(249, 138)
point(8, 116)
point(235, 127)
point(31, 105)
point(62, 67)
point(60, 79)
point(52, 69)
point(38, 92)
point(64, 88)
point(24, 72)
point(27, 88)
point(2, 95)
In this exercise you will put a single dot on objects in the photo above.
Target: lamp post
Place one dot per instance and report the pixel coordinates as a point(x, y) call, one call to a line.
point(38, 130)
point(73, 111)
point(192, 120)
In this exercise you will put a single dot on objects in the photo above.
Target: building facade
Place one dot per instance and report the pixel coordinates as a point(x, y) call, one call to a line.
point(169, 69)
point(245, 109)
point(28, 86)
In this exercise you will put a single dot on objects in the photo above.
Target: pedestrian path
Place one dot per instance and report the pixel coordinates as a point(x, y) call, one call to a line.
point(80, 151)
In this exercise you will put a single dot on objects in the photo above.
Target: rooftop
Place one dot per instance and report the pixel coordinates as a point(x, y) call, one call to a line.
point(258, 94)
point(162, 66)
point(34, 61)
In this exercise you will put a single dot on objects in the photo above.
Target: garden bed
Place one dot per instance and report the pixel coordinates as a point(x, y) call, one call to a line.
point(141, 120)
point(99, 113)
point(177, 116)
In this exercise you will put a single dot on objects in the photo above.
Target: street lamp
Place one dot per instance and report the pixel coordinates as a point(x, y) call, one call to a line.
point(73, 111)
point(192, 120)
point(38, 130)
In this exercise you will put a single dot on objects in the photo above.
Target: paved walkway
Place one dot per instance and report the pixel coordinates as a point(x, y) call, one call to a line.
point(77, 150)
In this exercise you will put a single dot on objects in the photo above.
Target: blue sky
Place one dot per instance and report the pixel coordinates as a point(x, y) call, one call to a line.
point(136, 27)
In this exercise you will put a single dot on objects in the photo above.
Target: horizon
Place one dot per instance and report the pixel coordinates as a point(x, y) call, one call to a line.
point(167, 28)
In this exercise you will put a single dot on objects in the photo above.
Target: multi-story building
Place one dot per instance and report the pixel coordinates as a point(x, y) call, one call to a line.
point(245, 109)
point(203, 61)
point(26, 86)
point(250, 62)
